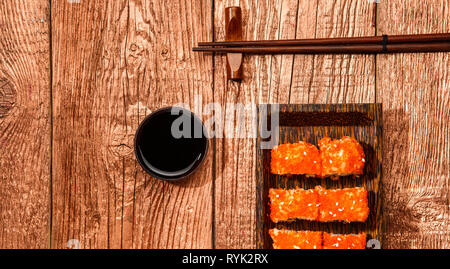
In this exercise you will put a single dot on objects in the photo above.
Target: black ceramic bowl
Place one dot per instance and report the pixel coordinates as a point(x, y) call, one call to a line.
point(171, 143)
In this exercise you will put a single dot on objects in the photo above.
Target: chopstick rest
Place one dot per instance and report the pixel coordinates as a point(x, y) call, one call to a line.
point(233, 32)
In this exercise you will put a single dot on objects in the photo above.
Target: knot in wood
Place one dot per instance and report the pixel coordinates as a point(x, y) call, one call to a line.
point(121, 141)
point(165, 53)
point(7, 97)
point(134, 47)
point(429, 210)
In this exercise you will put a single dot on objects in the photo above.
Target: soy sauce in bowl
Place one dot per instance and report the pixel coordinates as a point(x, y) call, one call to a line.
point(170, 144)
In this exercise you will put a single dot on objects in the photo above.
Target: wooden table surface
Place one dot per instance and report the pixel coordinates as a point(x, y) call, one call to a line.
point(77, 77)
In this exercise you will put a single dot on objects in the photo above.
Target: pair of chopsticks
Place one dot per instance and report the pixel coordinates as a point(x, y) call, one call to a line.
point(351, 45)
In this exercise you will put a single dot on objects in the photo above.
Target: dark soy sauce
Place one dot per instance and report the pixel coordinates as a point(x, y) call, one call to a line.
point(165, 155)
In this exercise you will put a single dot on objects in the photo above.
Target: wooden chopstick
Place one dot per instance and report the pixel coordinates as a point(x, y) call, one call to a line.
point(391, 39)
point(335, 49)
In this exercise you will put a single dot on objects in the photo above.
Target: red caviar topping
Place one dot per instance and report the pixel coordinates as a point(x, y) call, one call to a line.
point(350, 205)
point(284, 239)
point(352, 241)
point(296, 159)
point(341, 157)
point(293, 204)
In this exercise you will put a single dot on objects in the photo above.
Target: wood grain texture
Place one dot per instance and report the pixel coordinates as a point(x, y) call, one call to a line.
point(114, 63)
point(282, 79)
point(333, 78)
point(414, 89)
point(24, 124)
point(311, 123)
point(235, 183)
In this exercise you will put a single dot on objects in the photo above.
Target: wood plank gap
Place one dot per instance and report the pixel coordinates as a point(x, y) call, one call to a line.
point(51, 122)
point(375, 55)
point(293, 58)
point(213, 184)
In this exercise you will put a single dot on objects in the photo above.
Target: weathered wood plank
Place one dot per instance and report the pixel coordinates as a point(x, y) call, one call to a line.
point(235, 184)
point(282, 79)
point(414, 89)
point(140, 61)
point(331, 79)
point(25, 124)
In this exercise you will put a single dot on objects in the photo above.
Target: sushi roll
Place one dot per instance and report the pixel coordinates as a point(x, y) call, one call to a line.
point(286, 205)
point(342, 157)
point(351, 241)
point(284, 239)
point(296, 159)
point(347, 205)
